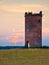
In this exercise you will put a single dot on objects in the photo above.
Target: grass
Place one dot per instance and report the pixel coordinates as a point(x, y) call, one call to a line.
point(24, 57)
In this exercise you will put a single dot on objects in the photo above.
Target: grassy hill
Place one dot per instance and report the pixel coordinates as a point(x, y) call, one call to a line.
point(24, 57)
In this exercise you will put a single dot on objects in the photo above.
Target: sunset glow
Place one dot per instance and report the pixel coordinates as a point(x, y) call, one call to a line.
point(12, 19)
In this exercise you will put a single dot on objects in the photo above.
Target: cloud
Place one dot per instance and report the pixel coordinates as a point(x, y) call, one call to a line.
point(45, 32)
point(25, 1)
point(23, 7)
point(14, 38)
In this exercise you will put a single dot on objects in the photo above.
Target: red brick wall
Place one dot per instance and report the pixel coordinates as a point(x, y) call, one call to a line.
point(33, 29)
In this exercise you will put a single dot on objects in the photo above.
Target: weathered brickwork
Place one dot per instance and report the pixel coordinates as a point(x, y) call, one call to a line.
point(33, 29)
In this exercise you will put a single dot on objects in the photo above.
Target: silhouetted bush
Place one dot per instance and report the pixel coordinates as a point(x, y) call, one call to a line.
point(33, 47)
point(44, 47)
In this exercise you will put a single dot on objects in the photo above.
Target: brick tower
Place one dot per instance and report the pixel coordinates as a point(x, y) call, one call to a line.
point(33, 29)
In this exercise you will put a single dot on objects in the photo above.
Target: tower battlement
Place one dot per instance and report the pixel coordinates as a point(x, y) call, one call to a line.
point(33, 14)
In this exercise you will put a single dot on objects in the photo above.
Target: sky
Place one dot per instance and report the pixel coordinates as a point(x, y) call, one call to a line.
point(12, 20)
